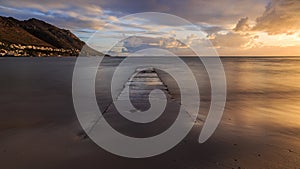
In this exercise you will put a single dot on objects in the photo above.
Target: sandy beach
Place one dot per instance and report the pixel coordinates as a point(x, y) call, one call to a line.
point(260, 127)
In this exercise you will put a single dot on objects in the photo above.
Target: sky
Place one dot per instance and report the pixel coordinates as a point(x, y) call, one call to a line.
point(231, 27)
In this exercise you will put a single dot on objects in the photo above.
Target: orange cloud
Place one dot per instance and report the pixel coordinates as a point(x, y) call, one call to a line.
point(280, 16)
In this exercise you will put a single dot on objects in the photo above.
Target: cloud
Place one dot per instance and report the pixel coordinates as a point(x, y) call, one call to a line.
point(263, 27)
point(69, 15)
point(78, 17)
point(113, 18)
point(212, 12)
point(242, 25)
point(136, 43)
point(280, 16)
point(236, 39)
point(233, 40)
point(277, 27)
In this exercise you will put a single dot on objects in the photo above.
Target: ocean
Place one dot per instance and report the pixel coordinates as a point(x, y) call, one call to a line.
point(260, 127)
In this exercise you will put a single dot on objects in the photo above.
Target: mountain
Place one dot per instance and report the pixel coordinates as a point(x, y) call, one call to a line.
point(34, 37)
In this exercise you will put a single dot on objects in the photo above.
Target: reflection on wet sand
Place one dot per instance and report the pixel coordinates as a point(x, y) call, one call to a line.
point(260, 127)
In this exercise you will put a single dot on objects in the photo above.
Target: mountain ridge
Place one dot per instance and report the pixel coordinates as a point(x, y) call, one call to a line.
point(35, 37)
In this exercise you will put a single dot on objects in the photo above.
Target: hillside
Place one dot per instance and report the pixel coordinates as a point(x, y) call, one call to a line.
point(34, 37)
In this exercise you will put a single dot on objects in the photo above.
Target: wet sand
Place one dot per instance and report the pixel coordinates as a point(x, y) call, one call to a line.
point(260, 127)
